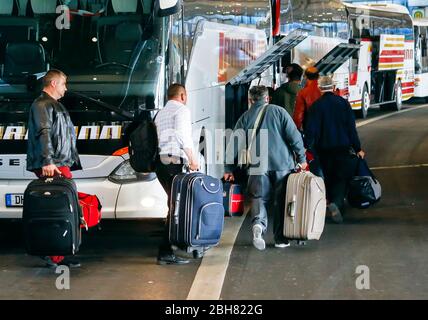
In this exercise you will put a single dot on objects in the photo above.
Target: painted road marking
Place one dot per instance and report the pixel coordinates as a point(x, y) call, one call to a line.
point(209, 279)
point(365, 122)
point(404, 166)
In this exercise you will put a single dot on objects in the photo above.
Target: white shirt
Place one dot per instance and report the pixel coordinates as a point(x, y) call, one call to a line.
point(174, 128)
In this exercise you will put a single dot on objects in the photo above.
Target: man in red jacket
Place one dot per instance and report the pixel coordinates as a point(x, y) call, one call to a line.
point(306, 97)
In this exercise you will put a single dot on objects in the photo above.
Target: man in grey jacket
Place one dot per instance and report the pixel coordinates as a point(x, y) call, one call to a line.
point(277, 142)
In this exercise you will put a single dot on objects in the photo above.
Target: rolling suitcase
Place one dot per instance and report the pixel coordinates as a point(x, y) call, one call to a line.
point(305, 206)
point(197, 213)
point(51, 217)
point(233, 199)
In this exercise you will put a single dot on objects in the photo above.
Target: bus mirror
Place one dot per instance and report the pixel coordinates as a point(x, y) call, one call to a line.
point(167, 7)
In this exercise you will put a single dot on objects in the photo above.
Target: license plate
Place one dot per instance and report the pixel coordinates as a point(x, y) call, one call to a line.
point(14, 200)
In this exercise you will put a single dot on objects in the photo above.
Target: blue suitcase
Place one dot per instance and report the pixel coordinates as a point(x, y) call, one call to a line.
point(197, 213)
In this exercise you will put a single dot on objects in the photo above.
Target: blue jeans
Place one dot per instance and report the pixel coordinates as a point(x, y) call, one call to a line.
point(265, 188)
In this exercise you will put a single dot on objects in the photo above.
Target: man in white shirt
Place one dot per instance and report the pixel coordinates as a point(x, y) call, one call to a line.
point(174, 129)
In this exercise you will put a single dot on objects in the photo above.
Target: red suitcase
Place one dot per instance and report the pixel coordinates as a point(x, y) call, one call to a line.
point(233, 199)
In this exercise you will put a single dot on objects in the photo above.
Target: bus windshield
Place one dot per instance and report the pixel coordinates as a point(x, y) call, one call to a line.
point(325, 19)
point(109, 49)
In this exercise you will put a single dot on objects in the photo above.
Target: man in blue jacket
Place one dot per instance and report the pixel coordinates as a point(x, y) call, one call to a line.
point(331, 135)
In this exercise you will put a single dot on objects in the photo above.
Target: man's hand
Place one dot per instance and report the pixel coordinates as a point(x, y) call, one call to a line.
point(50, 170)
point(361, 154)
point(228, 177)
point(304, 165)
point(194, 166)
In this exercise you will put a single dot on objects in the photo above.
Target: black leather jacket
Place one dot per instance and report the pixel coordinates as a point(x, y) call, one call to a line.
point(51, 135)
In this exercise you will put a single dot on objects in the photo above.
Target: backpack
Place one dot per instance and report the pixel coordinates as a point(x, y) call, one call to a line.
point(143, 147)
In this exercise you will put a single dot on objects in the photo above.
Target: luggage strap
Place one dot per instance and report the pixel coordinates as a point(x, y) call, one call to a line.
point(256, 128)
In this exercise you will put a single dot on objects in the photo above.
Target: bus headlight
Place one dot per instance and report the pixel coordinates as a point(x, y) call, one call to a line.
point(125, 174)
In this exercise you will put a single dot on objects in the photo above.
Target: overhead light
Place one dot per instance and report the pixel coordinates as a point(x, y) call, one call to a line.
point(94, 39)
point(45, 39)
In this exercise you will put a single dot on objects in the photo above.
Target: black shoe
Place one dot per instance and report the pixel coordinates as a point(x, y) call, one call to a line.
point(336, 215)
point(49, 262)
point(70, 263)
point(171, 259)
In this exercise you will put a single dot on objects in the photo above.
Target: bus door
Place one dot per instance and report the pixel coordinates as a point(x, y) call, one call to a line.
point(388, 59)
point(237, 88)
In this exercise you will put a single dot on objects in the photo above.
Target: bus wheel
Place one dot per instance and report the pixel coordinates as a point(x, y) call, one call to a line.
point(365, 104)
point(398, 103)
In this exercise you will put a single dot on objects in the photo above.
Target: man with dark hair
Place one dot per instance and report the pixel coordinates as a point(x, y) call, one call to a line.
point(51, 139)
point(306, 97)
point(277, 134)
point(174, 129)
point(285, 95)
point(330, 134)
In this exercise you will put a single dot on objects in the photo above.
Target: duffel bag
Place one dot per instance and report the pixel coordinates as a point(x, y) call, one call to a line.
point(364, 188)
point(91, 208)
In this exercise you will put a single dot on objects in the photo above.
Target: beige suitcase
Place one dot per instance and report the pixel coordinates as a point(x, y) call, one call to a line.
point(305, 206)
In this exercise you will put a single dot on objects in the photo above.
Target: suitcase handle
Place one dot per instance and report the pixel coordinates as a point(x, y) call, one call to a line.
point(299, 168)
point(291, 208)
point(177, 204)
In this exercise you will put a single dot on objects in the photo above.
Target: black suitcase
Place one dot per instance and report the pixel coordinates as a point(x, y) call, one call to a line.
point(51, 217)
point(197, 213)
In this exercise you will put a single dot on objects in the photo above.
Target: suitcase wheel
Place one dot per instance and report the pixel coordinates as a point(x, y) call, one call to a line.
point(301, 242)
point(198, 254)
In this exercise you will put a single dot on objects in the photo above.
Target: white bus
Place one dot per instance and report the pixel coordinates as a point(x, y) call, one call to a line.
point(381, 72)
point(124, 53)
point(421, 57)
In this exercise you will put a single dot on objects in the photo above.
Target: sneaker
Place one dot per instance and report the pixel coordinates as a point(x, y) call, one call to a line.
point(71, 263)
point(171, 259)
point(258, 241)
point(282, 244)
point(336, 215)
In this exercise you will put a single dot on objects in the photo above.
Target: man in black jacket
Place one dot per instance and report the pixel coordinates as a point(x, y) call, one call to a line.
point(331, 135)
point(51, 139)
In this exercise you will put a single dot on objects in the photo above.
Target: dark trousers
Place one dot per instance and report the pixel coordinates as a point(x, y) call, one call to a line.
point(165, 174)
point(265, 188)
point(338, 167)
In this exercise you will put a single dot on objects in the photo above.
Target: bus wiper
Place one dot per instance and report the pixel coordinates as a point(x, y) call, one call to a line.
point(104, 105)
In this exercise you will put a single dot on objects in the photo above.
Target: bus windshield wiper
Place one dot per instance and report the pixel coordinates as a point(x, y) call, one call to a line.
point(104, 105)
